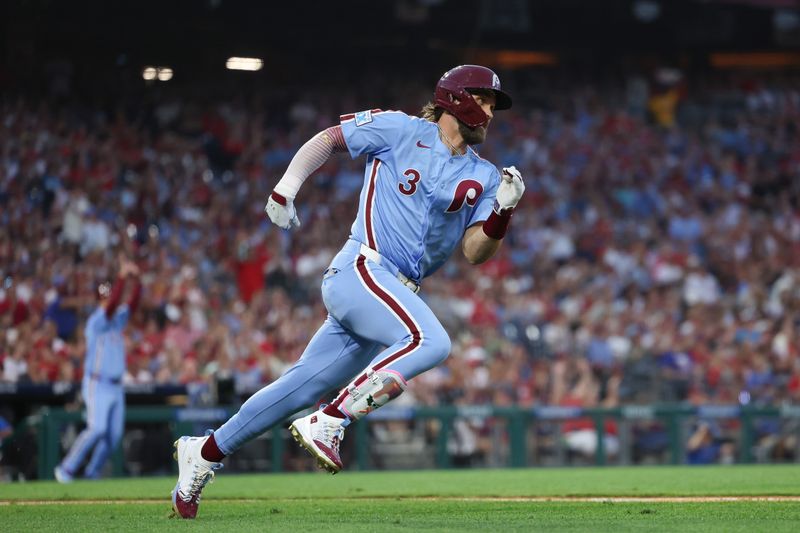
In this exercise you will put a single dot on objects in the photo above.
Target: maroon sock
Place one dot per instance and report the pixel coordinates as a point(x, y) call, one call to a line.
point(332, 410)
point(210, 450)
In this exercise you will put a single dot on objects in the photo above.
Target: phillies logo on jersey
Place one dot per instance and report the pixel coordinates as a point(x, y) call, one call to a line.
point(468, 191)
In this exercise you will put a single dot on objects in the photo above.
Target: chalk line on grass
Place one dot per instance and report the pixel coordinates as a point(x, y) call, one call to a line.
point(481, 499)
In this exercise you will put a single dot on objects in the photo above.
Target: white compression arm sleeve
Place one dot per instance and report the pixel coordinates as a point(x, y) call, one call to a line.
point(312, 155)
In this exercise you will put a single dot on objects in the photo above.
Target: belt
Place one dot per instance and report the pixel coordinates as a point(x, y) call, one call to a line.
point(98, 377)
point(377, 258)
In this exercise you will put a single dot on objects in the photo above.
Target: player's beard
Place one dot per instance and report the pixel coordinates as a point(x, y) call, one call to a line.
point(472, 136)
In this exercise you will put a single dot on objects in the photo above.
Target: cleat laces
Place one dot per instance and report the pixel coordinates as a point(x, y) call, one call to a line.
point(332, 434)
point(198, 482)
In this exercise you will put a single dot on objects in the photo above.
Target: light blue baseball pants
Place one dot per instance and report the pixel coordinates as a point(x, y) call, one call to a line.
point(369, 308)
point(105, 418)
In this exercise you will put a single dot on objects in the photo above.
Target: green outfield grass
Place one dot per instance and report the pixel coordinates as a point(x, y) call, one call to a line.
point(465, 500)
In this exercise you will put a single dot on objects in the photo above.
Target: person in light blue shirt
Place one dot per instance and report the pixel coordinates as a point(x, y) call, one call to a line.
point(425, 193)
point(103, 369)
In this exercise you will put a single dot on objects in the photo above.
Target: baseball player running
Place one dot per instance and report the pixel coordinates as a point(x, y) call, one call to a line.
point(102, 388)
point(425, 191)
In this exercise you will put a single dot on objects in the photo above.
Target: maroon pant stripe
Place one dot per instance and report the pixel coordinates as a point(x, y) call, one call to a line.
point(416, 336)
point(368, 206)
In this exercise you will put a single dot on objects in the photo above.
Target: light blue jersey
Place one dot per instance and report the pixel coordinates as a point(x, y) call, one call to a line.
point(105, 345)
point(417, 199)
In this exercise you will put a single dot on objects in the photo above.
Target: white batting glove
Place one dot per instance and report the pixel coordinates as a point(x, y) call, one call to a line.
point(510, 190)
point(281, 211)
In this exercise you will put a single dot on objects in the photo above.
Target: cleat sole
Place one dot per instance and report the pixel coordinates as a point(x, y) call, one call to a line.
point(174, 510)
point(322, 464)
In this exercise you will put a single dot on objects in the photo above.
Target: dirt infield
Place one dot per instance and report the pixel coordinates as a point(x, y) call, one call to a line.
point(520, 499)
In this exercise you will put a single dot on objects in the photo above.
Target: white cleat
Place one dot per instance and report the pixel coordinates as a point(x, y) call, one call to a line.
point(194, 473)
point(62, 476)
point(321, 435)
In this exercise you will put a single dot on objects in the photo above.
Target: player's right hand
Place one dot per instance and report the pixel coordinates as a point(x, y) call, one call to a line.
point(281, 211)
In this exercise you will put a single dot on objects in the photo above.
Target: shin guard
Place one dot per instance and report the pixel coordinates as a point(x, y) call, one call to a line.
point(377, 390)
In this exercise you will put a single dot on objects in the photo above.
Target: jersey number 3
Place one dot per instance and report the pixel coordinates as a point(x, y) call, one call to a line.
point(410, 186)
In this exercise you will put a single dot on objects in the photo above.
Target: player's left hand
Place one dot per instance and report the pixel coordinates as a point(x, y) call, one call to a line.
point(284, 216)
point(510, 190)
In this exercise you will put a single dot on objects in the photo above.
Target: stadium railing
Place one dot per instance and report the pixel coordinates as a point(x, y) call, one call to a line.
point(49, 423)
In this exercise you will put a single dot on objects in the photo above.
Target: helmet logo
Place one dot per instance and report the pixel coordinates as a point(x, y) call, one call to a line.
point(495, 81)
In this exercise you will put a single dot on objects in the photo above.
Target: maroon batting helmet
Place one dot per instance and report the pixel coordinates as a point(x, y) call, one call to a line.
point(453, 93)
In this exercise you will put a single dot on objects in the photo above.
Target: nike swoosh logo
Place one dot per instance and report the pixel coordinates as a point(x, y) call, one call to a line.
point(419, 144)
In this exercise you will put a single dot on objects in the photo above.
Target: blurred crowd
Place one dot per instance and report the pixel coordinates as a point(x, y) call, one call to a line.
point(655, 257)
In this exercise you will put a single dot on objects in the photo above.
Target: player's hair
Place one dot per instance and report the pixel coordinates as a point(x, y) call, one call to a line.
point(431, 112)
